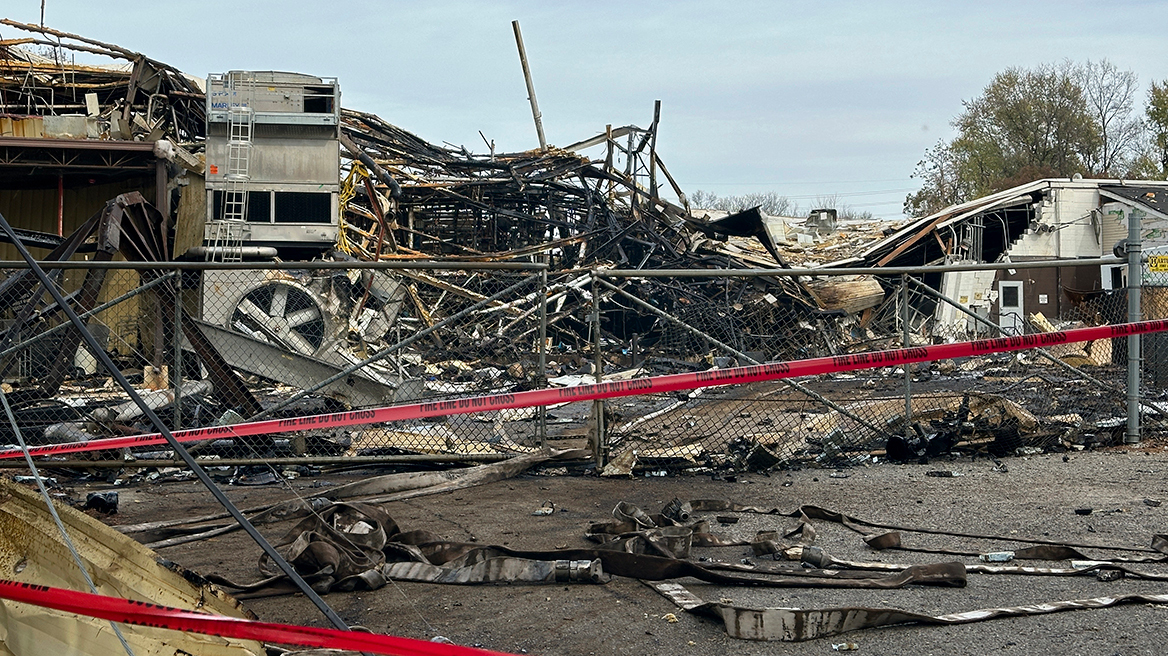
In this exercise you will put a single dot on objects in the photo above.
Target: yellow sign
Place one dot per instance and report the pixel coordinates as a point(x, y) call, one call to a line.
point(1158, 263)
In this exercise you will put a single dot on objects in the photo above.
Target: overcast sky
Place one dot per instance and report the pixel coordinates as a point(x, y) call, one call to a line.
point(805, 99)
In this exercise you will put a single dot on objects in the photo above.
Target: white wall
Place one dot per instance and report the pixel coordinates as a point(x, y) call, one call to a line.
point(973, 289)
point(1065, 228)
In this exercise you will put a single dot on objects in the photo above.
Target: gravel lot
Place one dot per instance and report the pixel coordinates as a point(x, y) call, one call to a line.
point(1037, 498)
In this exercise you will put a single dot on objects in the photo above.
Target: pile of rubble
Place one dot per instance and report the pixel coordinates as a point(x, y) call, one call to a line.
point(364, 337)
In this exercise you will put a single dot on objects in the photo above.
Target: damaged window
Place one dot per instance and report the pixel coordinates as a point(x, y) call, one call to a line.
point(259, 206)
point(302, 207)
point(1010, 296)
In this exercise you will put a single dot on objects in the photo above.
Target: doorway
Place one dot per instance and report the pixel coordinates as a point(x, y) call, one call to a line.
point(1010, 312)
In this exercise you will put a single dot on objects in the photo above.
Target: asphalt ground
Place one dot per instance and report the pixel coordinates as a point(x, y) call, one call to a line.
point(1037, 497)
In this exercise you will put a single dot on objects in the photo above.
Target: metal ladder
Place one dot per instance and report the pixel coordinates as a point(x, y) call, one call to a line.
point(227, 243)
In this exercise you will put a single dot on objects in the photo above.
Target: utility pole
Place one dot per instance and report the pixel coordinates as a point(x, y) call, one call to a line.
point(530, 87)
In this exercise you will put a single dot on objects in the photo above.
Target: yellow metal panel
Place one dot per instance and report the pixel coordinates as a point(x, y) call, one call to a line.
point(36, 209)
point(192, 215)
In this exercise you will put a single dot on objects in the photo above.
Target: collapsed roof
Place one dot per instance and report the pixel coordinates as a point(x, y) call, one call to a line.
point(935, 239)
point(403, 198)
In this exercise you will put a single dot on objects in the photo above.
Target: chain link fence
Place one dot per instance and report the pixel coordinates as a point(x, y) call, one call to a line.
point(993, 405)
point(220, 346)
point(215, 346)
point(1154, 347)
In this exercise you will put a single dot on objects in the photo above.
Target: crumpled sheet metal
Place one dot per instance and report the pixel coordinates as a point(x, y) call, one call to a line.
point(358, 546)
point(817, 558)
point(31, 551)
point(796, 624)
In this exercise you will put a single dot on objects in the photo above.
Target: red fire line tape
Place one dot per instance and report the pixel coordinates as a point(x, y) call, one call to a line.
point(142, 613)
point(653, 385)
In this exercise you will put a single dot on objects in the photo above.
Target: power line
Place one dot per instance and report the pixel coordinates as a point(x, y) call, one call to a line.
point(850, 194)
point(689, 183)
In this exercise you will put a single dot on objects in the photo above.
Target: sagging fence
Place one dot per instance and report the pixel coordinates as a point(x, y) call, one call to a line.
point(217, 344)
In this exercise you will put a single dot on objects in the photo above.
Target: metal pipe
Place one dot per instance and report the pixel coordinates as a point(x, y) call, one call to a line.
point(744, 357)
point(465, 265)
point(598, 360)
point(246, 252)
point(13, 463)
point(60, 205)
point(159, 426)
point(1135, 278)
point(448, 265)
point(395, 190)
point(385, 352)
point(101, 308)
point(842, 271)
point(906, 342)
point(530, 87)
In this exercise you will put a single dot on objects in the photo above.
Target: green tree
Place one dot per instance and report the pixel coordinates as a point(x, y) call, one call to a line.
point(1051, 121)
point(1026, 122)
point(1156, 113)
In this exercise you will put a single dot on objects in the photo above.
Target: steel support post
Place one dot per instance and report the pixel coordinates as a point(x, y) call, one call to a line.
point(542, 375)
point(906, 342)
point(530, 87)
point(598, 366)
point(176, 376)
point(1135, 278)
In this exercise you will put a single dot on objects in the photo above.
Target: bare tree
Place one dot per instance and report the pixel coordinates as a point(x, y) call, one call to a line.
point(1156, 111)
point(843, 211)
point(1110, 94)
point(942, 183)
point(770, 202)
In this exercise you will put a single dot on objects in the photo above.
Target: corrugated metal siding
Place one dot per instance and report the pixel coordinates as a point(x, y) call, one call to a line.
point(1114, 220)
point(36, 209)
point(32, 127)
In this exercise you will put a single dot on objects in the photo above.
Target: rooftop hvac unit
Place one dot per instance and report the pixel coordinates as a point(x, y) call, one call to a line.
point(822, 221)
point(273, 162)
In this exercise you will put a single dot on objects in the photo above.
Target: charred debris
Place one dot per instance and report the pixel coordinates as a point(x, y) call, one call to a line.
point(606, 202)
point(404, 199)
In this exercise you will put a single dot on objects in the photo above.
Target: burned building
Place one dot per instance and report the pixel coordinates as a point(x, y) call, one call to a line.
point(1051, 219)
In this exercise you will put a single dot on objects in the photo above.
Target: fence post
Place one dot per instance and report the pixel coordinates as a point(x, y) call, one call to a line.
point(906, 337)
point(1135, 278)
point(542, 410)
point(176, 376)
point(598, 366)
